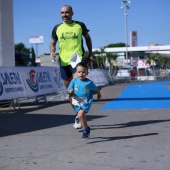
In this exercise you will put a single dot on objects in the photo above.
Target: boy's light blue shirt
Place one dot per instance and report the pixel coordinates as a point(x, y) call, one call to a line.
point(82, 89)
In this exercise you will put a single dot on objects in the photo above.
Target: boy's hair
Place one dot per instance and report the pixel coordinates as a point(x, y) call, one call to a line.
point(82, 64)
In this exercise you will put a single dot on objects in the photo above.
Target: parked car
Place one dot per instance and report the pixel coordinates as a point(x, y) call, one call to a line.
point(145, 73)
point(22, 59)
point(127, 72)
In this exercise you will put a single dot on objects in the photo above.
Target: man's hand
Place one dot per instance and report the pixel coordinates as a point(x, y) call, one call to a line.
point(90, 59)
point(52, 49)
point(52, 55)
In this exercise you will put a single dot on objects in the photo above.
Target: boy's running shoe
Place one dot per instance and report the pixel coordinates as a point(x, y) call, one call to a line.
point(86, 133)
point(77, 124)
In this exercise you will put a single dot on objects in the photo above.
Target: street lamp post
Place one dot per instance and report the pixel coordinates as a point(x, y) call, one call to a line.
point(126, 7)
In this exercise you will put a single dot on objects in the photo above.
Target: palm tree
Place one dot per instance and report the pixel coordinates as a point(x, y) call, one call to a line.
point(96, 55)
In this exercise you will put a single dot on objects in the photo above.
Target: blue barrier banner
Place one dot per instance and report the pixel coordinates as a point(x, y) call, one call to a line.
point(11, 83)
point(42, 80)
point(23, 82)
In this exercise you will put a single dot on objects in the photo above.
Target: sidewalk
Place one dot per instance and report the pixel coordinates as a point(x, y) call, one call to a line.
point(42, 138)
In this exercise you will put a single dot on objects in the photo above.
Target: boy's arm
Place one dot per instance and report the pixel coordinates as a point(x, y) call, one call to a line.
point(70, 92)
point(98, 94)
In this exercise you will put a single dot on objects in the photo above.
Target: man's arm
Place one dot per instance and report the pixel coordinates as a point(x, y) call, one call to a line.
point(52, 48)
point(89, 46)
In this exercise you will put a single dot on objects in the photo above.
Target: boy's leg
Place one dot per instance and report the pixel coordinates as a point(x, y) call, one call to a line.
point(86, 129)
point(82, 117)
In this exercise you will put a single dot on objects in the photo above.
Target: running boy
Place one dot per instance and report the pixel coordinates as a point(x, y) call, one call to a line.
point(81, 90)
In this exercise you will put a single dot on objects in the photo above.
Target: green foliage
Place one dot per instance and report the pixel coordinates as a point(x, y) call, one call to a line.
point(116, 45)
point(21, 48)
point(111, 56)
point(101, 55)
point(161, 61)
point(33, 54)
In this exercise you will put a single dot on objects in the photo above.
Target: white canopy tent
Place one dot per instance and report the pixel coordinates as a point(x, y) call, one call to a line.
point(159, 49)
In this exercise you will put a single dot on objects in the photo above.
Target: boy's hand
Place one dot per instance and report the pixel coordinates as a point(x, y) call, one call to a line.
point(99, 96)
point(70, 92)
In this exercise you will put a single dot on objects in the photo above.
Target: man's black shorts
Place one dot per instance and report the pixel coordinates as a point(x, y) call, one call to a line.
point(67, 71)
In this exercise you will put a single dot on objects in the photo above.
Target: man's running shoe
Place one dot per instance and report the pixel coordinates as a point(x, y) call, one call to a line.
point(77, 124)
point(86, 133)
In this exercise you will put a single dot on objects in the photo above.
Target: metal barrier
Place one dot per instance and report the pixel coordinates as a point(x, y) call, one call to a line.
point(140, 75)
point(62, 96)
point(16, 103)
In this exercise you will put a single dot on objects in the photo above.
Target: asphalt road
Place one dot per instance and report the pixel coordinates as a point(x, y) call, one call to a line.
point(41, 137)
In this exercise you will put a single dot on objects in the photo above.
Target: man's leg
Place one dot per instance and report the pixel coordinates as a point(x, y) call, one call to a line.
point(66, 83)
point(77, 124)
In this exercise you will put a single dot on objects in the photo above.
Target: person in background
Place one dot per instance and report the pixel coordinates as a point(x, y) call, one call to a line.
point(81, 90)
point(69, 35)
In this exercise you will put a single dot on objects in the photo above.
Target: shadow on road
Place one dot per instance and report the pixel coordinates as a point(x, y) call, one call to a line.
point(128, 124)
point(21, 121)
point(124, 125)
point(108, 139)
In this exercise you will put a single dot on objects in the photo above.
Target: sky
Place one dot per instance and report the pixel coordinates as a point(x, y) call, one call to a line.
point(104, 18)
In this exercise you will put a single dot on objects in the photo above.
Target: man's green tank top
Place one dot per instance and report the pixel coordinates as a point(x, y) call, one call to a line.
point(69, 37)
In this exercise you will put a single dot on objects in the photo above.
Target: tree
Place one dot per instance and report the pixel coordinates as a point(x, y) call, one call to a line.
point(96, 61)
point(116, 45)
point(21, 48)
point(33, 54)
point(160, 61)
